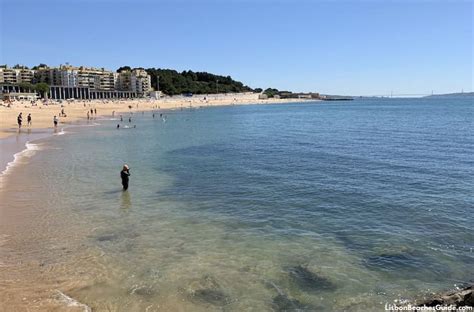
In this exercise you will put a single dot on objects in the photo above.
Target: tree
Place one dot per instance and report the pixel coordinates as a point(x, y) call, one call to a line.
point(26, 86)
point(39, 66)
point(124, 68)
point(172, 82)
point(271, 92)
point(42, 88)
point(258, 90)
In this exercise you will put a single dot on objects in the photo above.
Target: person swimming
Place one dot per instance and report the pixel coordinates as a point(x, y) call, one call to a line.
point(125, 174)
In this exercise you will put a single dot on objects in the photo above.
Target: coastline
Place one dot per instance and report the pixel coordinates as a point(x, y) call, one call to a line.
point(76, 111)
point(14, 148)
point(25, 145)
point(49, 241)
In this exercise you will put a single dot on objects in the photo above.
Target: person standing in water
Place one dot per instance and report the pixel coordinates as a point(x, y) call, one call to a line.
point(125, 174)
point(55, 121)
point(28, 119)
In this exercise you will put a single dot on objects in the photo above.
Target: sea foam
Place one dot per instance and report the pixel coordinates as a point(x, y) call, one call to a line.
point(30, 150)
point(71, 302)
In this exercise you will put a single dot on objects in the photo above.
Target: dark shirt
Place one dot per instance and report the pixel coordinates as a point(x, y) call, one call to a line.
point(124, 175)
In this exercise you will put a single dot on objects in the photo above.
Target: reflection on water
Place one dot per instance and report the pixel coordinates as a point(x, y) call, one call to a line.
point(310, 207)
point(126, 202)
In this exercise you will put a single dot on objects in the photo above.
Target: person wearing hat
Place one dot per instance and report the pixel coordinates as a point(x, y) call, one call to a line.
point(124, 174)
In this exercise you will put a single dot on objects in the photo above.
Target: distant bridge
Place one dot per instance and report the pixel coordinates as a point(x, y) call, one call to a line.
point(401, 95)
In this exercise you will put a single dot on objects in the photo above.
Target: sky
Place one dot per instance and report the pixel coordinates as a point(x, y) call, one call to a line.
point(332, 47)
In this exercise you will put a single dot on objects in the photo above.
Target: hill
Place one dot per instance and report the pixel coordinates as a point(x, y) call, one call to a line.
point(173, 82)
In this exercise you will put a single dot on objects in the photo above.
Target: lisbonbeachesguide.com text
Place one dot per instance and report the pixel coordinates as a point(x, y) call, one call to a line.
point(394, 307)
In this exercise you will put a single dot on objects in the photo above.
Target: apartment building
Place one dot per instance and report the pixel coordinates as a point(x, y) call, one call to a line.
point(140, 81)
point(68, 81)
point(15, 75)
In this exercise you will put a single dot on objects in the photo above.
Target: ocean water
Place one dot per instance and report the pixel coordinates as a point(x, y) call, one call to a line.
point(297, 207)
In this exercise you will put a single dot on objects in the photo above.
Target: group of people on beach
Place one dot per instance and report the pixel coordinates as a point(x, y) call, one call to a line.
point(19, 120)
point(93, 111)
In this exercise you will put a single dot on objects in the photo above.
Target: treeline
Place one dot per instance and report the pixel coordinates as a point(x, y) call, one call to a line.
point(41, 87)
point(173, 82)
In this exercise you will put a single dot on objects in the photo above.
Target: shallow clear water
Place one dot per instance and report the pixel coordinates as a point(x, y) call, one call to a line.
point(312, 206)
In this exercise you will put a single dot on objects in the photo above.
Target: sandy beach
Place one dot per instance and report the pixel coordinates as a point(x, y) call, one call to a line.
point(43, 112)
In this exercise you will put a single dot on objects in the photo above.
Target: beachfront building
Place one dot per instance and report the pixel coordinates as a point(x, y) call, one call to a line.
point(136, 80)
point(140, 81)
point(93, 83)
point(15, 75)
point(70, 82)
point(11, 80)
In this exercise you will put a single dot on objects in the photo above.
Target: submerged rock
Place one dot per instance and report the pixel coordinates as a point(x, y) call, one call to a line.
point(281, 303)
point(106, 237)
point(206, 290)
point(143, 291)
point(393, 261)
point(212, 296)
point(310, 281)
point(459, 298)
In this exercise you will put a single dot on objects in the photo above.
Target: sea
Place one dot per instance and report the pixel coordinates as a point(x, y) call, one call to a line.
point(312, 206)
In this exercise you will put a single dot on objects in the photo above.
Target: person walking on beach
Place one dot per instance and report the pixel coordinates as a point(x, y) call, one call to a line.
point(88, 116)
point(19, 119)
point(55, 121)
point(125, 174)
point(28, 119)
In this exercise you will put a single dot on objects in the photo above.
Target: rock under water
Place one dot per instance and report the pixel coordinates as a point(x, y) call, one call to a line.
point(393, 261)
point(281, 303)
point(459, 298)
point(206, 290)
point(310, 281)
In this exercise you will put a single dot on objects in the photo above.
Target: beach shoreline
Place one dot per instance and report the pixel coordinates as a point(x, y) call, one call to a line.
point(77, 110)
point(77, 115)
point(70, 234)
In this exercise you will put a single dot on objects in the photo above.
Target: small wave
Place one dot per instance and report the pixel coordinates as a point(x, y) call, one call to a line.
point(71, 302)
point(18, 158)
point(107, 119)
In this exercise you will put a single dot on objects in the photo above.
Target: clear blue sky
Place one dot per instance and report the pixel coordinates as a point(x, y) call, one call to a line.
point(343, 47)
